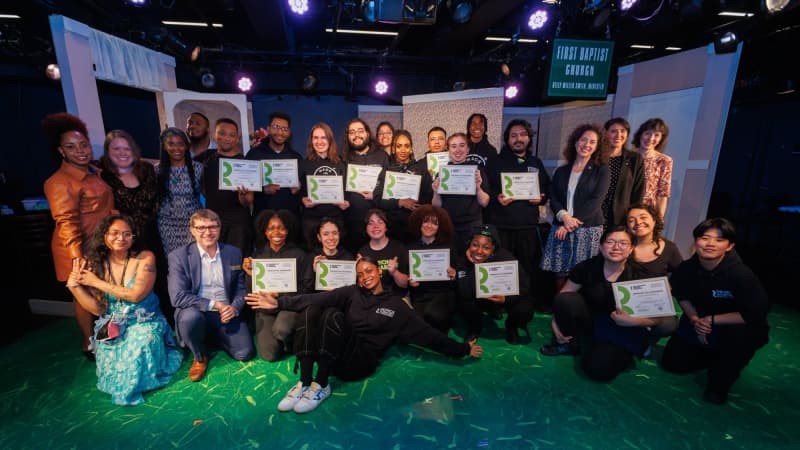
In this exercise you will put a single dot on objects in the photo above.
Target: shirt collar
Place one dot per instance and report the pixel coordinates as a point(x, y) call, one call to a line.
point(204, 253)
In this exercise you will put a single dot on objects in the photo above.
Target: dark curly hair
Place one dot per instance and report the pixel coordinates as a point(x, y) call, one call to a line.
point(445, 234)
point(318, 229)
point(658, 227)
point(262, 221)
point(55, 125)
point(165, 163)
point(600, 155)
point(96, 249)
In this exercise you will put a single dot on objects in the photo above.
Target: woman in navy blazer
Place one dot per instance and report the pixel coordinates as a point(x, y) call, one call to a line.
point(576, 197)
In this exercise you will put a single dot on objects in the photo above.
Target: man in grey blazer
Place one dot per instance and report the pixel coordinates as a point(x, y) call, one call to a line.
point(206, 286)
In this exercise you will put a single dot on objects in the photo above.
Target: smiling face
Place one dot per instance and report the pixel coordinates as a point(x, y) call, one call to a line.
point(119, 236)
point(587, 144)
point(368, 275)
point(357, 135)
point(650, 140)
point(279, 131)
point(205, 232)
point(437, 141)
point(75, 149)
point(712, 246)
point(226, 136)
point(480, 249)
point(276, 233)
point(197, 127)
point(641, 223)
point(617, 135)
point(376, 227)
point(429, 227)
point(616, 247)
point(319, 142)
point(385, 136)
point(518, 139)
point(120, 153)
point(402, 149)
point(458, 148)
point(328, 236)
point(476, 129)
point(176, 149)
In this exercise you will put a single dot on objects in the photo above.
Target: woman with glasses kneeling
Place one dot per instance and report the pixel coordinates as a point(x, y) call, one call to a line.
point(132, 341)
point(347, 330)
point(585, 316)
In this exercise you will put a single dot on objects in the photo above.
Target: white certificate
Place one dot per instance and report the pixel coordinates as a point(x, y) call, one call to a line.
point(436, 161)
point(521, 185)
point(650, 297)
point(275, 275)
point(401, 185)
point(325, 188)
point(362, 178)
point(282, 172)
point(457, 180)
point(239, 172)
point(429, 265)
point(333, 273)
point(496, 278)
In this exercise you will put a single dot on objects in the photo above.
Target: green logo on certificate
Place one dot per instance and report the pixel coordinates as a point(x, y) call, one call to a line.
point(507, 187)
point(415, 265)
point(433, 164)
point(313, 191)
point(267, 173)
point(484, 277)
point(323, 272)
point(227, 170)
point(445, 175)
point(352, 177)
point(626, 297)
point(390, 184)
point(260, 269)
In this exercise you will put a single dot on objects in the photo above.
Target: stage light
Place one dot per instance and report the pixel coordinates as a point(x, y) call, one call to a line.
point(459, 85)
point(53, 72)
point(244, 83)
point(462, 12)
point(775, 6)
point(195, 54)
point(137, 3)
point(537, 20)
point(368, 10)
point(381, 87)
point(726, 43)
point(299, 7)
point(512, 91)
point(207, 79)
point(309, 82)
point(505, 70)
point(627, 4)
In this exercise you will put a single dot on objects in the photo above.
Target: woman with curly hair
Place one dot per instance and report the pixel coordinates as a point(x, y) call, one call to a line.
point(658, 256)
point(78, 200)
point(132, 341)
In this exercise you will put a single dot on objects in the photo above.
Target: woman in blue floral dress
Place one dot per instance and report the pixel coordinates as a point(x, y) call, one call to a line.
point(178, 189)
point(133, 344)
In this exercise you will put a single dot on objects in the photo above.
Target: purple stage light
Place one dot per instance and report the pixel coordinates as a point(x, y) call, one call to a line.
point(627, 4)
point(512, 91)
point(244, 83)
point(381, 87)
point(537, 19)
point(298, 6)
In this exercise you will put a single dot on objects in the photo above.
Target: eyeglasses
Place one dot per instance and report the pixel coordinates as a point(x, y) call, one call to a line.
point(119, 234)
point(277, 127)
point(204, 228)
point(621, 244)
point(356, 131)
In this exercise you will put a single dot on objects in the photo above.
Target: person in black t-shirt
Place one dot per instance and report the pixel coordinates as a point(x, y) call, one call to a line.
point(329, 233)
point(391, 254)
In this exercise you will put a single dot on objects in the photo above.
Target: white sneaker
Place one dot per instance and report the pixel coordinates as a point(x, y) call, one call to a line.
point(292, 397)
point(312, 397)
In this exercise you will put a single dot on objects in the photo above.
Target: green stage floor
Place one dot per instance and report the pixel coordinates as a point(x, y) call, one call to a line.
point(511, 398)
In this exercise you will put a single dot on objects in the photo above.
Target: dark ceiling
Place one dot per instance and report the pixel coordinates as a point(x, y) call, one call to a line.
point(264, 38)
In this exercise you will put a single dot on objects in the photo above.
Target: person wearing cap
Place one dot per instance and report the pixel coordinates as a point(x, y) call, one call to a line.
point(484, 246)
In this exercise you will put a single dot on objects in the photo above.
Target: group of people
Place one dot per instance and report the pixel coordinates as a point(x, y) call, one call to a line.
point(124, 225)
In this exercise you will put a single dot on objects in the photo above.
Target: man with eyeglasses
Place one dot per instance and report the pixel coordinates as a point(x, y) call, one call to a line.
point(277, 146)
point(207, 289)
point(360, 149)
point(517, 221)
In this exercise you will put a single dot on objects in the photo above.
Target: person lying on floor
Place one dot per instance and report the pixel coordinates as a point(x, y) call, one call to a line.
point(347, 330)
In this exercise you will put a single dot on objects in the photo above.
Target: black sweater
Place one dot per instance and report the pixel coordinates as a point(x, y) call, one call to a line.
point(320, 167)
point(358, 204)
point(519, 214)
point(283, 199)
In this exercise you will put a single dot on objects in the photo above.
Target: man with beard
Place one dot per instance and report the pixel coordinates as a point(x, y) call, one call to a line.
point(359, 149)
point(278, 146)
point(197, 128)
point(517, 221)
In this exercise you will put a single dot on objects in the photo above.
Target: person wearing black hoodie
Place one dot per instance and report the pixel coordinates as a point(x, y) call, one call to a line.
point(347, 330)
point(725, 310)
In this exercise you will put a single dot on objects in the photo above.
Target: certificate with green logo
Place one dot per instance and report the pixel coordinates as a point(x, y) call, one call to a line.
point(436, 161)
point(239, 172)
point(649, 297)
point(401, 185)
point(429, 265)
point(325, 188)
point(496, 278)
point(275, 275)
point(282, 172)
point(457, 179)
point(362, 178)
point(520, 185)
point(334, 273)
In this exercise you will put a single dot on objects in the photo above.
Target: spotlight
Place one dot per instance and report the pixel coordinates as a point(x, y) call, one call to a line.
point(309, 82)
point(726, 43)
point(627, 4)
point(53, 72)
point(505, 70)
point(511, 91)
point(137, 3)
point(298, 7)
point(207, 79)
point(244, 83)
point(537, 20)
point(381, 87)
point(368, 10)
point(195, 54)
point(462, 12)
point(459, 85)
point(774, 6)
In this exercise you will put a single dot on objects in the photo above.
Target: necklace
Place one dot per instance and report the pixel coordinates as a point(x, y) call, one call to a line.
point(124, 268)
point(174, 176)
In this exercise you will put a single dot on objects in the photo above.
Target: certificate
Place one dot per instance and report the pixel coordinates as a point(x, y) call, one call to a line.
point(650, 297)
point(429, 265)
point(282, 172)
point(333, 273)
point(457, 180)
point(239, 172)
point(521, 185)
point(275, 275)
point(436, 161)
point(496, 278)
point(325, 188)
point(401, 185)
point(362, 178)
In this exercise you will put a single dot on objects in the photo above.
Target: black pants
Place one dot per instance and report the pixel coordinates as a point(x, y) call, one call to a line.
point(527, 245)
point(520, 312)
point(325, 335)
point(735, 347)
point(436, 308)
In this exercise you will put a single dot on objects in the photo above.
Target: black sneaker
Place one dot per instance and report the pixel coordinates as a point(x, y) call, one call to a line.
point(556, 349)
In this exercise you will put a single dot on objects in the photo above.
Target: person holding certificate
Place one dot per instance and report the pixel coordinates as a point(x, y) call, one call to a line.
point(484, 247)
point(433, 300)
point(360, 150)
point(390, 254)
point(346, 331)
point(328, 237)
point(725, 308)
point(273, 329)
point(466, 211)
point(586, 317)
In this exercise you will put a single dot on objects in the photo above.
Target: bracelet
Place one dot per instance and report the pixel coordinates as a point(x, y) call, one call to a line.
point(73, 285)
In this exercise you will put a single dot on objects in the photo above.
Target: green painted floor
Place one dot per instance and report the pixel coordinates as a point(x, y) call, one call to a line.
point(512, 398)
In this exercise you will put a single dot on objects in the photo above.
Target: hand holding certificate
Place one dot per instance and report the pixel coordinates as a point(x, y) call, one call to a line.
point(521, 185)
point(401, 185)
point(239, 172)
point(275, 275)
point(332, 274)
point(362, 178)
point(496, 278)
point(457, 180)
point(325, 188)
point(282, 172)
point(429, 265)
point(649, 297)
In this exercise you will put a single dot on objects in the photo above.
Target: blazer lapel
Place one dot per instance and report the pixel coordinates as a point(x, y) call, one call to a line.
point(226, 270)
point(195, 267)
